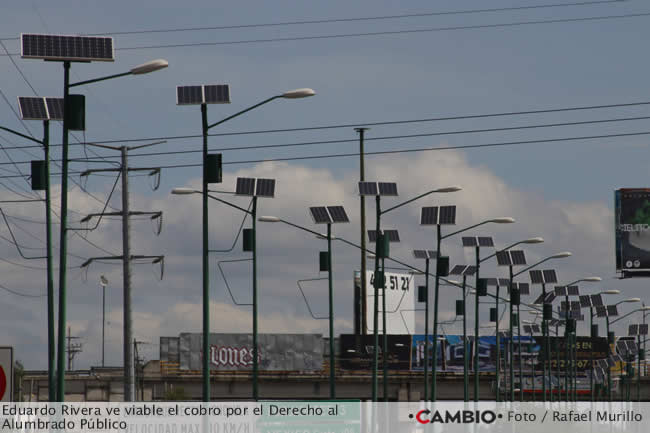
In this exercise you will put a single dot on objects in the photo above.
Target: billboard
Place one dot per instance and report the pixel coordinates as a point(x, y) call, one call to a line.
point(6, 373)
point(234, 352)
point(632, 231)
point(400, 303)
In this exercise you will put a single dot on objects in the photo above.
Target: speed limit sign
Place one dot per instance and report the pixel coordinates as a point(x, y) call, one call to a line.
point(6, 373)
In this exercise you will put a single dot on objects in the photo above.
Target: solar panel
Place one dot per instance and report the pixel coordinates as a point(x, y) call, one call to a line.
point(643, 329)
point(245, 186)
point(573, 291)
point(189, 95)
point(368, 188)
point(585, 301)
point(597, 300)
point(536, 277)
point(470, 241)
point(320, 215)
point(633, 330)
point(420, 254)
point(503, 258)
point(549, 276)
point(631, 346)
point(447, 215)
point(470, 270)
point(484, 241)
point(563, 306)
point(612, 310)
point(66, 48)
point(601, 311)
point(574, 305)
point(537, 329)
point(518, 257)
point(560, 291)
point(265, 188)
point(338, 214)
point(539, 300)
point(216, 94)
point(457, 270)
point(32, 108)
point(54, 108)
point(429, 216)
point(387, 188)
point(550, 297)
point(575, 314)
point(393, 235)
point(491, 281)
point(553, 322)
point(524, 288)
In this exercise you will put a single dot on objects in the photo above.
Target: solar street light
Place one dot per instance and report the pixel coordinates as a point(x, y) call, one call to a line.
point(432, 216)
point(248, 187)
point(220, 94)
point(323, 215)
point(69, 49)
point(380, 189)
point(32, 108)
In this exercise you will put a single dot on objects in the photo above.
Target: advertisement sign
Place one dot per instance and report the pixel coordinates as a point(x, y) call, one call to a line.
point(233, 352)
point(6, 373)
point(357, 352)
point(583, 352)
point(400, 303)
point(632, 229)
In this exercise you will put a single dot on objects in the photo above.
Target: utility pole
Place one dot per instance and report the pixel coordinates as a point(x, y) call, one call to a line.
point(126, 257)
point(364, 295)
point(72, 348)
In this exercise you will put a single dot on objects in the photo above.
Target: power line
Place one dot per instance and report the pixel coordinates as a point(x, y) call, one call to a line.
point(347, 20)
point(358, 124)
point(391, 137)
point(412, 150)
point(24, 295)
point(381, 33)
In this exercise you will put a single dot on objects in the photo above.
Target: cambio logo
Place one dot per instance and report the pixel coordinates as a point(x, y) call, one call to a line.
point(459, 417)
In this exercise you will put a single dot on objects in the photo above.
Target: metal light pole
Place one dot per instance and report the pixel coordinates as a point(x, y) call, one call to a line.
point(545, 333)
point(103, 282)
point(323, 215)
point(502, 220)
point(362, 202)
point(51, 352)
point(205, 127)
point(63, 245)
point(379, 213)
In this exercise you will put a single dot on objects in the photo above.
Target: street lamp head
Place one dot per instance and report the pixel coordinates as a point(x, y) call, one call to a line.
point(453, 188)
point(537, 240)
point(561, 255)
point(503, 220)
point(592, 279)
point(151, 66)
point(103, 281)
point(298, 93)
point(269, 219)
point(632, 300)
point(646, 308)
point(183, 191)
point(611, 292)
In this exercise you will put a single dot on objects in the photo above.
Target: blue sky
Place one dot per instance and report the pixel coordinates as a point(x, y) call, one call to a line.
point(561, 191)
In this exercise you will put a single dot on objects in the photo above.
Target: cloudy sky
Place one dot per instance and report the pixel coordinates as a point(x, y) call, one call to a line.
point(396, 66)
